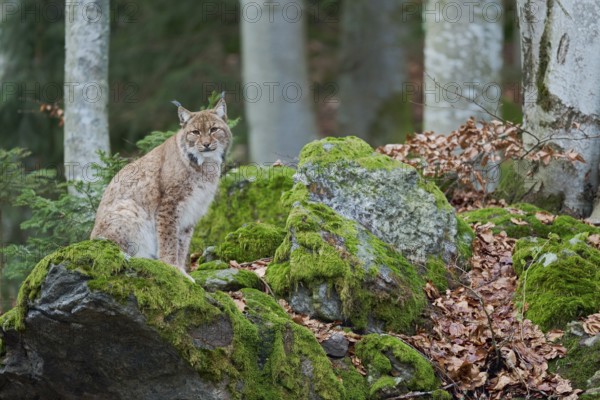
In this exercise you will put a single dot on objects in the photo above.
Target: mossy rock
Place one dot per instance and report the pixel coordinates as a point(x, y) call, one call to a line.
point(251, 242)
point(527, 224)
point(213, 265)
point(394, 368)
point(258, 354)
point(390, 199)
point(333, 268)
point(355, 385)
point(559, 279)
point(226, 280)
point(246, 194)
point(581, 361)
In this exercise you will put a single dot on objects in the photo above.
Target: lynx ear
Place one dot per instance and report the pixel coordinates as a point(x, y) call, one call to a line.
point(184, 115)
point(221, 108)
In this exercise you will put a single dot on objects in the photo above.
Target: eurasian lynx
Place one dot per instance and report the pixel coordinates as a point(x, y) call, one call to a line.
point(151, 206)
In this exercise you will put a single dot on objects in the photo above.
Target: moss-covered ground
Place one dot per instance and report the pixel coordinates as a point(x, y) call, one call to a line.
point(559, 279)
point(527, 224)
point(580, 363)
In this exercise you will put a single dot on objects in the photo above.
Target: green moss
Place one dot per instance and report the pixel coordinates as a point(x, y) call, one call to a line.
point(246, 194)
point(324, 247)
point(355, 385)
point(511, 186)
point(277, 358)
point(564, 226)
point(212, 265)
point(251, 242)
point(382, 355)
point(348, 149)
point(440, 198)
point(227, 280)
point(580, 363)
point(464, 239)
point(11, 319)
point(437, 273)
point(559, 280)
point(441, 395)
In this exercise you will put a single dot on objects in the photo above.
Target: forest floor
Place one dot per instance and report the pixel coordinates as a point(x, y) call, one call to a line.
point(477, 338)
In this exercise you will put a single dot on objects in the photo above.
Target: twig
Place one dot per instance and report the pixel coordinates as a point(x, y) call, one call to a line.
point(418, 394)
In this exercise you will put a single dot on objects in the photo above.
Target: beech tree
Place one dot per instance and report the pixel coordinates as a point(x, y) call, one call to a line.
point(373, 69)
point(463, 54)
point(561, 64)
point(276, 89)
point(86, 92)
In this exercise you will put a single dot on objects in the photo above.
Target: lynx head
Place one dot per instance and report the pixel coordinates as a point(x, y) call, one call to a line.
point(205, 134)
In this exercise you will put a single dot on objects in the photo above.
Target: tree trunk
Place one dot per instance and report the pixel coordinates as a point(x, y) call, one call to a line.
point(373, 77)
point(87, 30)
point(561, 64)
point(463, 54)
point(276, 90)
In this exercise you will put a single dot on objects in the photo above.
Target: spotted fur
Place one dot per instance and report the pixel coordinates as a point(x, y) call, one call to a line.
point(151, 206)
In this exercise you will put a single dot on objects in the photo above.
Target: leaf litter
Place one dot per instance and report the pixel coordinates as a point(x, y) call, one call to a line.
point(480, 344)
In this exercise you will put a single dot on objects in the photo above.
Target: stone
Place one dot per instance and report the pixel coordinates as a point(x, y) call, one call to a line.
point(336, 346)
point(226, 280)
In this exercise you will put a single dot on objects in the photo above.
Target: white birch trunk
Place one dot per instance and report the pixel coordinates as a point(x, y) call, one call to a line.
point(561, 63)
point(463, 54)
point(373, 69)
point(276, 89)
point(87, 29)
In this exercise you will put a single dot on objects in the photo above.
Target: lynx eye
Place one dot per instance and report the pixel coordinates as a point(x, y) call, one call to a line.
point(195, 132)
point(214, 129)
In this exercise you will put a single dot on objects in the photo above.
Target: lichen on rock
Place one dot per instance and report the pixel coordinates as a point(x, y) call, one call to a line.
point(559, 279)
point(385, 196)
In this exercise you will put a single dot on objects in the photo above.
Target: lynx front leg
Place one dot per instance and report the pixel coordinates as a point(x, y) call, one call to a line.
point(167, 237)
point(185, 237)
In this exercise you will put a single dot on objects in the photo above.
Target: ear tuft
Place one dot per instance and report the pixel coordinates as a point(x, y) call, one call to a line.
point(221, 108)
point(184, 114)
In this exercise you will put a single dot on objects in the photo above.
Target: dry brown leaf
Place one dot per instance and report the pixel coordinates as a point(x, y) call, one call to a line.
point(591, 325)
point(518, 221)
point(544, 217)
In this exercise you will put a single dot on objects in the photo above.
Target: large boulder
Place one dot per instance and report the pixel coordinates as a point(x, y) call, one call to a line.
point(364, 234)
point(93, 324)
point(385, 196)
point(334, 269)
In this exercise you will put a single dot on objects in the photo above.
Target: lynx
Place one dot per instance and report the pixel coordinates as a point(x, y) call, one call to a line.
point(151, 206)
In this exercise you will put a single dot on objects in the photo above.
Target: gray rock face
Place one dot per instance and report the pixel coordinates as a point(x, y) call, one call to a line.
point(386, 197)
point(336, 346)
point(81, 344)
